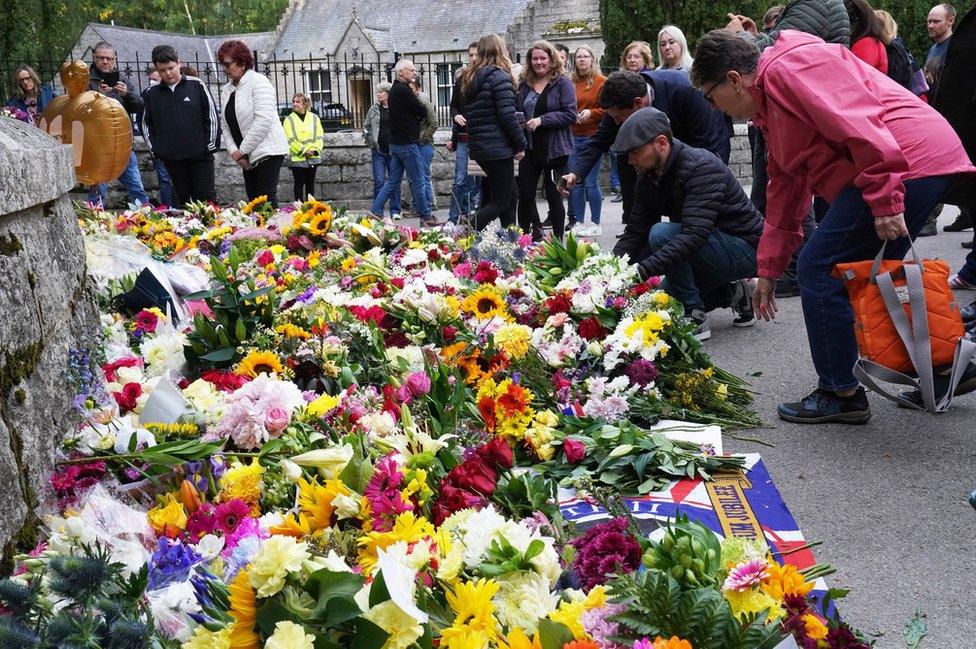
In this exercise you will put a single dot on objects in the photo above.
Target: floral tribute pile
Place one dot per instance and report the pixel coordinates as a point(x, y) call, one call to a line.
point(353, 438)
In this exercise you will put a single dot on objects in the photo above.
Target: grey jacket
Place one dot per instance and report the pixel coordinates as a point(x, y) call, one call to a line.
point(429, 126)
point(824, 18)
point(371, 126)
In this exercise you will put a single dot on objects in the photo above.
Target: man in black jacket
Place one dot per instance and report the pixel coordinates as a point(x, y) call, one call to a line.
point(106, 79)
point(181, 126)
point(406, 114)
point(713, 231)
point(693, 121)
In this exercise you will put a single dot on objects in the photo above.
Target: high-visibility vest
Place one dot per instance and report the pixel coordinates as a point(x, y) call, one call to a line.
point(304, 133)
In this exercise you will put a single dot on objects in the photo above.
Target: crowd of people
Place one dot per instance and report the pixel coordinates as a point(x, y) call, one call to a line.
point(848, 153)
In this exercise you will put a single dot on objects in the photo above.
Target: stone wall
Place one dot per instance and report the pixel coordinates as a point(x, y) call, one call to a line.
point(345, 177)
point(47, 309)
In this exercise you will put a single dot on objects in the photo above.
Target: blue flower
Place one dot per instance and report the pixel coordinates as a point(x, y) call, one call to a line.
point(171, 562)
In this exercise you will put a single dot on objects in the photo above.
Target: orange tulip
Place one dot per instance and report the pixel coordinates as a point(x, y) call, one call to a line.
point(190, 497)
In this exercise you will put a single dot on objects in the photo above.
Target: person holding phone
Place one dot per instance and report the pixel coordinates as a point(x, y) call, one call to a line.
point(106, 79)
point(547, 98)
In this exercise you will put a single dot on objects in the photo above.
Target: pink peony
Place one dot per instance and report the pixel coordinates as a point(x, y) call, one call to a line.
point(258, 411)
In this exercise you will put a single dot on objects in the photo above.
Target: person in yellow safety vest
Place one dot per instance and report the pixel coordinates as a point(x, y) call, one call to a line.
point(303, 128)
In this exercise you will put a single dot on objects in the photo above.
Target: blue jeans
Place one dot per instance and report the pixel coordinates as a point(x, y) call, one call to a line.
point(405, 157)
point(614, 176)
point(130, 179)
point(165, 182)
point(427, 159)
point(588, 189)
point(723, 259)
point(382, 162)
point(847, 234)
point(465, 188)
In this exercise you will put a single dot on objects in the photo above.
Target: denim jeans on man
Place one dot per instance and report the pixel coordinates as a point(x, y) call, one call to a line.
point(405, 157)
point(165, 182)
point(847, 234)
point(130, 179)
point(465, 189)
point(614, 175)
point(723, 259)
point(382, 163)
point(587, 191)
point(426, 160)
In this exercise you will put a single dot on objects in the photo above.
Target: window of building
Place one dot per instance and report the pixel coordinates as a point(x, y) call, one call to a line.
point(320, 87)
point(445, 82)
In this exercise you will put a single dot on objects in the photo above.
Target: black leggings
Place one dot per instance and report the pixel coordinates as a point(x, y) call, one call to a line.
point(501, 197)
point(262, 179)
point(304, 182)
point(528, 181)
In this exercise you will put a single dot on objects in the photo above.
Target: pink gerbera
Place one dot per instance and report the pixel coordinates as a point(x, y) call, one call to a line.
point(746, 575)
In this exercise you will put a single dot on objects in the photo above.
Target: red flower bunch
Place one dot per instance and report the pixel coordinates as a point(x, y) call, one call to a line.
point(559, 303)
point(127, 397)
point(485, 273)
point(603, 551)
point(472, 482)
point(146, 321)
point(74, 478)
point(110, 368)
point(223, 380)
point(265, 258)
point(591, 329)
point(374, 313)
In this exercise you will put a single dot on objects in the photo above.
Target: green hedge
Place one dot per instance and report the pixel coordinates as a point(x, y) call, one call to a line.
point(624, 21)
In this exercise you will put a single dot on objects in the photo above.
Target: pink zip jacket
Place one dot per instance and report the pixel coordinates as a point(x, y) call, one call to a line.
point(830, 121)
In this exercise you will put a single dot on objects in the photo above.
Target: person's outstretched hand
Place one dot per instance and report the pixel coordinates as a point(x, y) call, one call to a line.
point(764, 299)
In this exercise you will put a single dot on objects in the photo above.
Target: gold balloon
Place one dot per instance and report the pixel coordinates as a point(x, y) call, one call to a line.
point(97, 127)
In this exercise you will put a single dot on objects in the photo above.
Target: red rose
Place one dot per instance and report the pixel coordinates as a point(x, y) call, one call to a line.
point(449, 333)
point(591, 329)
point(640, 289)
point(452, 499)
point(127, 397)
point(497, 453)
point(575, 450)
point(474, 475)
point(559, 304)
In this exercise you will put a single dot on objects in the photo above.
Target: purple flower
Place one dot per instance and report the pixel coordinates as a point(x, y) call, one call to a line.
point(641, 372)
point(171, 562)
point(605, 550)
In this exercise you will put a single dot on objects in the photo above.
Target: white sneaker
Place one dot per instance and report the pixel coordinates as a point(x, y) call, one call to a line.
point(595, 230)
point(396, 216)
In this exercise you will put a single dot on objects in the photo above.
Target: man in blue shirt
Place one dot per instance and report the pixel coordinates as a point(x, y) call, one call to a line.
point(940, 22)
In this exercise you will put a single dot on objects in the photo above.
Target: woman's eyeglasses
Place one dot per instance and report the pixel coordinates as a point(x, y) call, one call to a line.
point(708, 95)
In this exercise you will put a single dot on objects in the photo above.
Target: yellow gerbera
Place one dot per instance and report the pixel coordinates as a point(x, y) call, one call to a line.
point(407, 527)
point(243, 609)
point(258, 362)
point(484, 303)
point(471, 601)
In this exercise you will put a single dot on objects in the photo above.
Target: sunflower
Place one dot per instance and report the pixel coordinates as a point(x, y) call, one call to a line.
point(485, 303)
point(243, 609)
point(250, 207)
point(319, 219)
point(257, 362)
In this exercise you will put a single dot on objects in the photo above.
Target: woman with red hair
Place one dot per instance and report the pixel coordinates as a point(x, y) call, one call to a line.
point(252, 132)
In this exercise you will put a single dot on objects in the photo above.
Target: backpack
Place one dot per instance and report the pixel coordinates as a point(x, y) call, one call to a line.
point(900, 63)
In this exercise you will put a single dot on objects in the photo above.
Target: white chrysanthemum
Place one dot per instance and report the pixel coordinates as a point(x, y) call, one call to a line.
point(480, 530)
point(413, 256)
point(163, 354)
point(412, 355)
point(523, 599)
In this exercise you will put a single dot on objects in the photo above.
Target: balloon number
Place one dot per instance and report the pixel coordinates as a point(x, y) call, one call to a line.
point(97, 127)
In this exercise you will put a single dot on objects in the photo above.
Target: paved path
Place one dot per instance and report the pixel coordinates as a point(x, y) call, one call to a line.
point(888, 499)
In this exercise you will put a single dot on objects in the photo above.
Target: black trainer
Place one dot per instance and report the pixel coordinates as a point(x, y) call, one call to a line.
point(966, 385)
point(787, 287)
point(702, 330)
point(824, 407)
point(964, 221)
point(742, 305)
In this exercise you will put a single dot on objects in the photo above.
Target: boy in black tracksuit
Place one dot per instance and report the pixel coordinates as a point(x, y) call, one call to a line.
point(181, 126)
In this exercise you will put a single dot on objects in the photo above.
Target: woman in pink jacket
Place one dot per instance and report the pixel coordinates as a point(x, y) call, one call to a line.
point(836, 128)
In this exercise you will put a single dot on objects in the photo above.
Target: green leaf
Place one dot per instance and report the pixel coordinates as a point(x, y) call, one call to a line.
point(553, 635)
point(368, 635)
point(221, 355)
point(273, 612)
point(378, 592)
point(336, 610)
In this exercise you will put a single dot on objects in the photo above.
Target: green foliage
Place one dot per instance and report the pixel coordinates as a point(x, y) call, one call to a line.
point(658, 606)
point(502, 557)
point(239, 310)
point(558, 260)
point(689, 552)
point(623, 21)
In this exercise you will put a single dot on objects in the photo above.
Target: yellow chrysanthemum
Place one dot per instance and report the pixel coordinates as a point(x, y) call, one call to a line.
point(514, 339)
point(259, 362)
point(204, 639)
point(648, 324)
point(570, 615)
point(752, 602)
point(243, 609)
point(322, 405)
point(316, 500)
point(485, 303)
point(407, 527)
point(784, 580)
point(243, 481)
point(596, 598)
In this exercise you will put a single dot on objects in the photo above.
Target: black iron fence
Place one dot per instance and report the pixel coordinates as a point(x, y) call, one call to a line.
point(341, 89)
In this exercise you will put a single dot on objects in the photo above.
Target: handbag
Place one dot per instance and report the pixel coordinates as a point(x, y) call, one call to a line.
point(907, 325)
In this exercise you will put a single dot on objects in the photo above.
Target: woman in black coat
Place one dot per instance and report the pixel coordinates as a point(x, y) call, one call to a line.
point(495, 137)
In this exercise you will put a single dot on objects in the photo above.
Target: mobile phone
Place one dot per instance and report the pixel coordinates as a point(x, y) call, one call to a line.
point(110, 78)
point(558, 180)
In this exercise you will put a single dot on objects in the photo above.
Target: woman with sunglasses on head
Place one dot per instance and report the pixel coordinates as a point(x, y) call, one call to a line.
point(30, 96)
point(252, 130)
point(837, 128)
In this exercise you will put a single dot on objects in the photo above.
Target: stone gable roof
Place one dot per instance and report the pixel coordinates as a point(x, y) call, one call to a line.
point(316, 27)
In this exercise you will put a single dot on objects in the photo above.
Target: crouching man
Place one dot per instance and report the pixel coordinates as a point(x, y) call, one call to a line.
point(707, 249)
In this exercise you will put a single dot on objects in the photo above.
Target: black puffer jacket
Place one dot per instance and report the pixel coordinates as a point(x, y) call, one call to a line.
point(494, 132)
point(824, 18)
point(699, 191)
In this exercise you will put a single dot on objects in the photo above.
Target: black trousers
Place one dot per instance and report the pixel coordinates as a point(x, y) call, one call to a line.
point(304, 181)
point(193, 180)
point(628, 184)
point(499, 199)
point(528, 181)
point(262, 179)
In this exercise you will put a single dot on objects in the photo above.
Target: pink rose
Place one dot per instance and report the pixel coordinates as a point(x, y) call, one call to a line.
point(574, 449)
point(276, 418)
point(418, 383)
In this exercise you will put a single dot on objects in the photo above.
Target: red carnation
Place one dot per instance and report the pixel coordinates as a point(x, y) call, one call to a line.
point(559, 304)
point(265, 258)
point(591, 329)
point(485, 273)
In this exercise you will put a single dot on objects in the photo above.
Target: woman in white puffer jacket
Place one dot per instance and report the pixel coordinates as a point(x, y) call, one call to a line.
point(252, 131)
